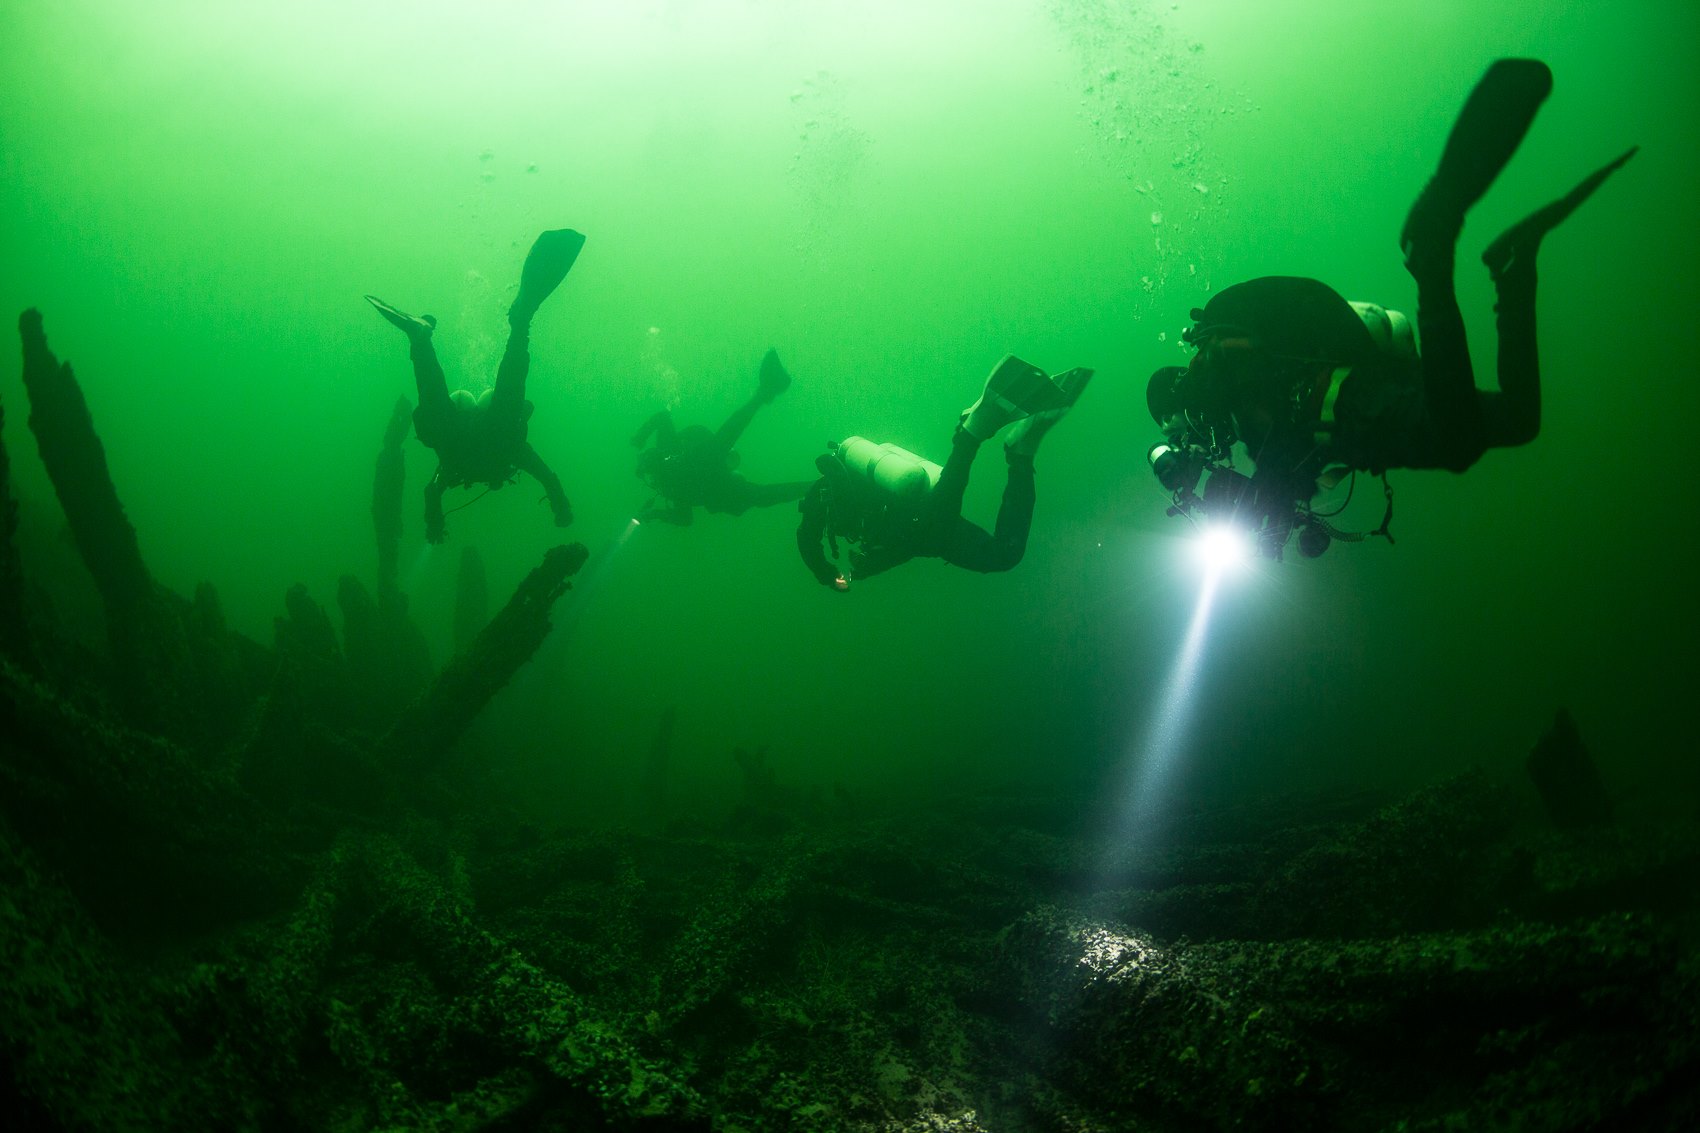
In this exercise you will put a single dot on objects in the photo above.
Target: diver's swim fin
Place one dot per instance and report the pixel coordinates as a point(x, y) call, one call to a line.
point(774, 378)
point(414, 326)
point(1024, 438)
point(1073, 383)
point(1496, 116)
point(1491, 126)
point(551, 257)
point(1518, 244)
point(1015, 389)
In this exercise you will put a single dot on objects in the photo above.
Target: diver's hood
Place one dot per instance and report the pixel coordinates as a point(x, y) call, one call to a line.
point(1287, 315)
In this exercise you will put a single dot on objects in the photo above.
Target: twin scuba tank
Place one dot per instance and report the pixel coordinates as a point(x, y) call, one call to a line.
point(890, 473)
point(1395, 345)
point(1389, 330)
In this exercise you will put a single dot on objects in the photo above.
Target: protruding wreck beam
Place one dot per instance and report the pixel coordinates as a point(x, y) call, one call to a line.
point(1567, 777)
point(430, 728)
point(151, 659)
point(76, 463)
point(388, 660)
point(387, 485)
point(14, 630)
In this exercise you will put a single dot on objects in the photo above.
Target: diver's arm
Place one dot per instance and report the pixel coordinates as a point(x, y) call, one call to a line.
point(434, 530)
point(810, 531)
point(679, 515)
point(877, 559)
point(660, 425)
point(528, 461)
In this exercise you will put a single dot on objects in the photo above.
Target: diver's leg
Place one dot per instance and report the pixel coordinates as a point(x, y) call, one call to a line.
point(772, 495)
point(428, 377)
point(968, 545)
point(944, 504)
point(736, 495)
point(1522, 240)
point(528, 461)
point(430, 382)
point(509, 396)
point(971, 548)
point(727, 435)
point(546, 265)
point(1449, 382)
point(1487, 131)
point(1015, 513)
point(774, 380)
point(1513, 415)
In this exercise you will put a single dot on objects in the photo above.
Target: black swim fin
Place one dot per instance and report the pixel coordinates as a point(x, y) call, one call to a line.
point(774, 379)
point(414, 326)
point(1518, 244)
point(551, 257)
point(1488, 130)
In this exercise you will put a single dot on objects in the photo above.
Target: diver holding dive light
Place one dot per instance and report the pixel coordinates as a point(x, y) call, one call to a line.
point(693, 467)
point(1317, 387)
point(893, 506)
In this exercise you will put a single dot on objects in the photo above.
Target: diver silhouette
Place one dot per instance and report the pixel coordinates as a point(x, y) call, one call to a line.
point(692, 467)
point(481, 439)
point(1315, 386)
point(893, 506)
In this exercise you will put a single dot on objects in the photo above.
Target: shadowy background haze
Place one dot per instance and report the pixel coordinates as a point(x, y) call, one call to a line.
point(893, 194)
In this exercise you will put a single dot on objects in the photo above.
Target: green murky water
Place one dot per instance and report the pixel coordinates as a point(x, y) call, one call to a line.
point(893, 195)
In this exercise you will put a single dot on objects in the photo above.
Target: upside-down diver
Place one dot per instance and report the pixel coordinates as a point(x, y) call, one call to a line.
point(481, 439)
point(1316, 387)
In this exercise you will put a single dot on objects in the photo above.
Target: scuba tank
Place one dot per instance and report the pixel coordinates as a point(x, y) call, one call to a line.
point(889, 470)
point(1395, 343)
point(871, 493)
point(1390, 331)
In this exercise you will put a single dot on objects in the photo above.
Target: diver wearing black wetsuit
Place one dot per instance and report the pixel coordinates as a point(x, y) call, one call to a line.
point(918, 514)
point(482, 440)
point(1307, 379)
point(693, 467)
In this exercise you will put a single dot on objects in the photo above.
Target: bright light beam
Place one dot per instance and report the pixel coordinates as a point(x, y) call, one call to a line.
point(589, 582)
point(1221, 551)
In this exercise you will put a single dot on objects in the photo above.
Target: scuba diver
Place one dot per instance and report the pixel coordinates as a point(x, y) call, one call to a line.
point(693, 467)
point(894, 506)
point(481, 439)
point(1317, 387)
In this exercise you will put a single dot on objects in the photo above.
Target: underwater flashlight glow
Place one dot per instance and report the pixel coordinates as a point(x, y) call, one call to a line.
point(1222, 547)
